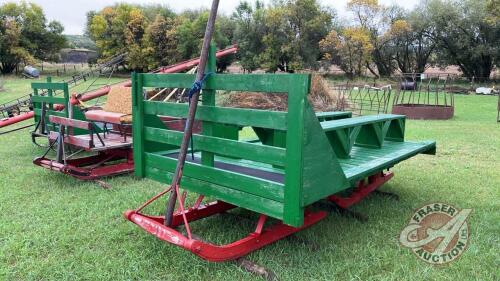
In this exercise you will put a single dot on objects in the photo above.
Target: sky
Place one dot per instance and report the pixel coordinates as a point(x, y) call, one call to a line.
point(71, 13)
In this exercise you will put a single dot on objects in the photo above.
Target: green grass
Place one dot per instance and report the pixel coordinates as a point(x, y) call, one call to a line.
point(53, 227)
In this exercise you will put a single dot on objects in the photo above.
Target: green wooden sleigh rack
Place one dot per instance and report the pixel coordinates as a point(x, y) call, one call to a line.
point(299, 158)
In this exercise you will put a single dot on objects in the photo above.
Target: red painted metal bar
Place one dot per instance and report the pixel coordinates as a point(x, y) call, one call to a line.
point(217, 253)
point(362, 190)
point(16, 119)
point(85, 169)
point(194, 62)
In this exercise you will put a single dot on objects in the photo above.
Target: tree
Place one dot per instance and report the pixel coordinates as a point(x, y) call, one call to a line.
point(351, 49)
point(26, 36)
point(412, 47)
point(250, 29)
point(138, 57)
point(107, 29)
point(370, 16)
point(464, 35)
point(283, 36)
point(161, 41)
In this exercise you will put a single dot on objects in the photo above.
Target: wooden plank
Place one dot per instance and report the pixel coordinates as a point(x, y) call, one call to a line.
point(49, 100)
point(245, 200)
point(48, 86)
point(71, 122)
point(293, 212)
point(79, 142)
point(322, 174)
point(138, 125)
point(237, 116)
point(270, 83)
point(256, 152)
point(232, 180)
point(358, 121)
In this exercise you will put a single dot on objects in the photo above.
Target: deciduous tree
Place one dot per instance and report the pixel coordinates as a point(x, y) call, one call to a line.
point(26, 35)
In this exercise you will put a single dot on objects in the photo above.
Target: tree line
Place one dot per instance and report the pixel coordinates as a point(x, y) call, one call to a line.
point(286, 35)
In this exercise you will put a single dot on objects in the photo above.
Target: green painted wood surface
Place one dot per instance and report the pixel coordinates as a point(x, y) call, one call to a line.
point(251, 185)
point(317, 154)
point(294, 212)
point(220, 146)
point(245, 200)
point(48, 86)
point(138, 125)
point(358, 121)
point(367, 161)
point(322, 174)
point(208, 99)
point(224, 115)
point(270, 83)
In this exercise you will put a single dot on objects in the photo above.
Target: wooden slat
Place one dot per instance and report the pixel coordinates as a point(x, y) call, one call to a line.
point(79, 142)
point(358, 121)
point(293, 212)
point(242, 199)
point(71, 122)
point(236, 116)
point(48, 86)
point(232, 180)
point(50, 100)
point(270, 83)
point(38, 112)
point(74, 140)
point(256, 152)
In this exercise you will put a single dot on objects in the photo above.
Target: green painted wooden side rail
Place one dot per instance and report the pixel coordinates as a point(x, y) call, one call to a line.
point(309, 155)
point(44, 93)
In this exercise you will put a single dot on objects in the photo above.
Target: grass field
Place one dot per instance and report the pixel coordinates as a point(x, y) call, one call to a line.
point(53, 227)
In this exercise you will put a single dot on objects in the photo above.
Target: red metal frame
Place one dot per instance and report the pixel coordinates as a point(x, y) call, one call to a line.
point(362, 190)
point(93, 167)
point(208, 251)
point(261, 237)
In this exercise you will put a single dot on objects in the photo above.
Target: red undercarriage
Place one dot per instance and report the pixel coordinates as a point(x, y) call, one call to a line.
point(255, 240)
point(107, 163)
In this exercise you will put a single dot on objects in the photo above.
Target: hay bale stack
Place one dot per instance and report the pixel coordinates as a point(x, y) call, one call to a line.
point(321, 98)
point(119, 100)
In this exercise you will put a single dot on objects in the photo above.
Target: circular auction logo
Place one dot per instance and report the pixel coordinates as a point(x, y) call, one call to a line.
point(437, 233)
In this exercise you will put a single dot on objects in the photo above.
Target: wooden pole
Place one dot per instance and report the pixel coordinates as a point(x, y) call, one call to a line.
point(188, 130)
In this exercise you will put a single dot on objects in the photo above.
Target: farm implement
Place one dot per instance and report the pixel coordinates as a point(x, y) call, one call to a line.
point(92, 142)
point(296, 159)
point(21, 109)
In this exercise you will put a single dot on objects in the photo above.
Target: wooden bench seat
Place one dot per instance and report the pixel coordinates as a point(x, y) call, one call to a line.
point(358, 121)
point(367, 131)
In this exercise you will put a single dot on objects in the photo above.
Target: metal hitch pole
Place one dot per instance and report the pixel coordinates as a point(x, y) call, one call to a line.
point(188, 130)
